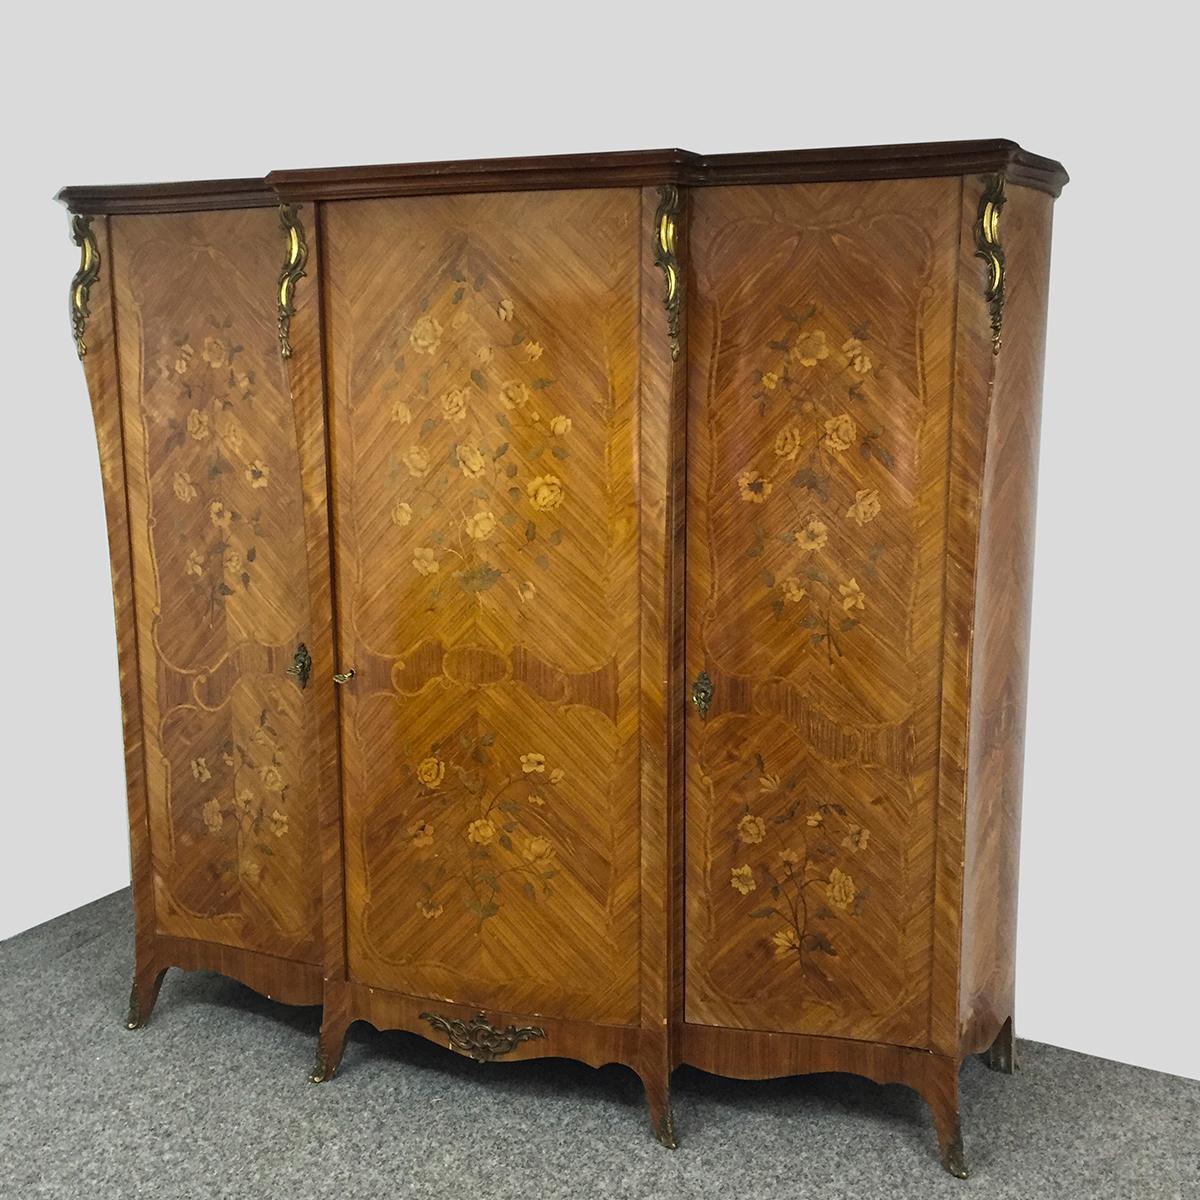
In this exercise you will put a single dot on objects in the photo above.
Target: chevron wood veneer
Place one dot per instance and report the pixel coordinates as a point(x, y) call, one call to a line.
point(579, 606)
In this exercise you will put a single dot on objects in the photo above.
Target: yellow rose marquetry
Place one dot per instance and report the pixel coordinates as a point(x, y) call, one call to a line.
point(866, 506)
point(809, 348)
point(840, 890)
point(840, 432)
point(751, 829)
point(480, 526)
point(812, 535)
point(788, 443)
point(426, 335)
point(742, 879)
point(454, 404)
point(545, 492)
point(420, 834)
point(431, 771)
point(470, 461)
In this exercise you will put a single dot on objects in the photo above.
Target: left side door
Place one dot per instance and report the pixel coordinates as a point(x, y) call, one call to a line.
point(220, 580)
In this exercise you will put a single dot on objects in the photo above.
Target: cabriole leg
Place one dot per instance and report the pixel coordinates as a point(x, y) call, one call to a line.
point(941, 1094)
point(657, 1082)
point(1002, 1054)
point(335, 1024)
point(142, 995)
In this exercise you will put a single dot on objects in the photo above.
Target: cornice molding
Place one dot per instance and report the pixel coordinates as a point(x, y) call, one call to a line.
point(632, 168)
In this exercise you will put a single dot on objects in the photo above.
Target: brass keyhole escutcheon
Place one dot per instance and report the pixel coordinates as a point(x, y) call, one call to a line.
point(702, 694)
point(301, 665)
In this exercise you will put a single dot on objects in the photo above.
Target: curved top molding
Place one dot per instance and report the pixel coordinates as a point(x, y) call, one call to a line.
point(631, 168)
point(194, 196)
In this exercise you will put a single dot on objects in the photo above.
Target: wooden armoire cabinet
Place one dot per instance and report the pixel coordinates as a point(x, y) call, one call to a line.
point(579, 606)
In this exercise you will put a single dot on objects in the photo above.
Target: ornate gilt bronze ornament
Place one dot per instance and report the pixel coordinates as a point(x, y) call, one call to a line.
point(291, 273)
point(88, 273)
point(988, 247)
point(702, 694)
point(483, 1042)
point(301, 665)
point(665, 226)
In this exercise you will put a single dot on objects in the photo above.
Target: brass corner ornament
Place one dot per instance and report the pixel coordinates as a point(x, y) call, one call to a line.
point(988, 247)
point(666, 222)
point(85, 276)
point(483, 1042)
point(290, 274)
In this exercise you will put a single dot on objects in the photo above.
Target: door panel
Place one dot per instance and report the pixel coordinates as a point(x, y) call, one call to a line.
point(220, 580)
point(483, 384)
point(820, 333)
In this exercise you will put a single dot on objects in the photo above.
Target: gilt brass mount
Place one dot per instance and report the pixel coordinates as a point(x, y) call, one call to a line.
point(85, 276)
point(988, 247)
point(291, 273)
point(702, 694)
point(666, 222)
point(483, 1042)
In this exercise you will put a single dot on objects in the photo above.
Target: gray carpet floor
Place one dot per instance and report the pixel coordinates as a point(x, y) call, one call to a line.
point(211, 1100)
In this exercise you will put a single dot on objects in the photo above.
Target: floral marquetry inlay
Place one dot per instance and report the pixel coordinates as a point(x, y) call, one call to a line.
point(810, 509)
point(485, 469)
point(796, 863)
point(484, 832)
point(219, 477)
point(247, 798)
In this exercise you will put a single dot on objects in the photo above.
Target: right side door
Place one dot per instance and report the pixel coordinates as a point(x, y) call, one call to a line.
point(820, 370)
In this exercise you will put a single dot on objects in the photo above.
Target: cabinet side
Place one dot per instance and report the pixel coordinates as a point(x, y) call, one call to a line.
point(1001, 620)
point(94, 329)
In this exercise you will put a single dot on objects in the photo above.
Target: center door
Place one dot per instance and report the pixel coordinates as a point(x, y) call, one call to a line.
point(483, 392)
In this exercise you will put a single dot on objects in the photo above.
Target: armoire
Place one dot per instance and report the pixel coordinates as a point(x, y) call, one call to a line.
point(579, 606)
